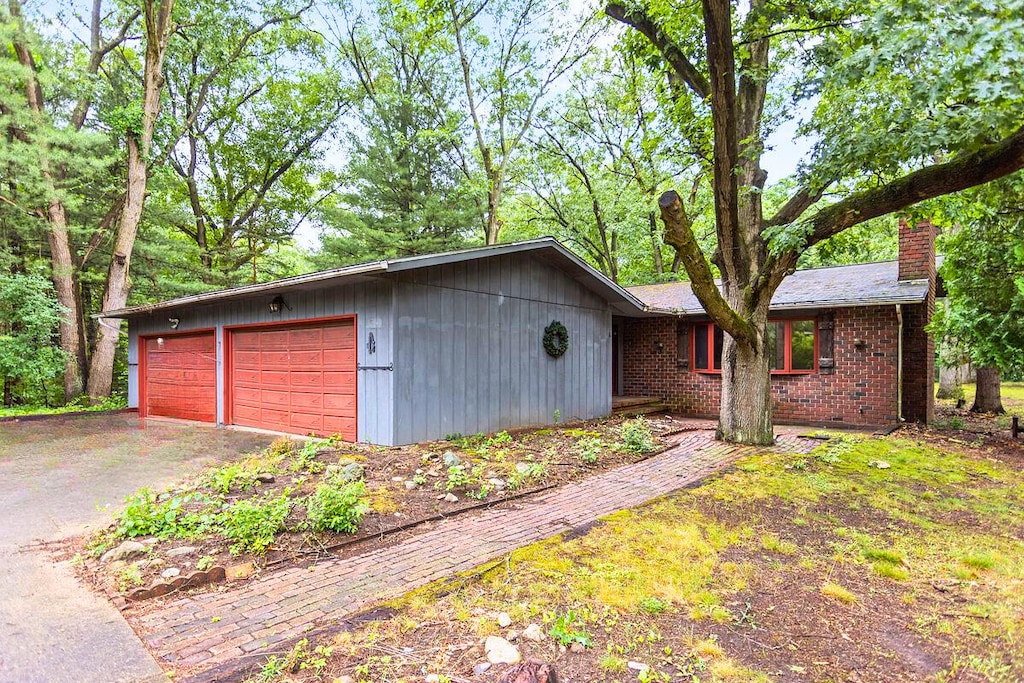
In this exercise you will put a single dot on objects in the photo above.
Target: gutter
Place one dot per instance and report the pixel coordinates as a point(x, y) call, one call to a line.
point(899, 362)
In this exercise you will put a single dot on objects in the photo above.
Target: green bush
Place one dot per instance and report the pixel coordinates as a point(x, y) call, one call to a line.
point(589, 448)
point(337, 507)
point(253, 524)
point(145, 515)
point(636, 436)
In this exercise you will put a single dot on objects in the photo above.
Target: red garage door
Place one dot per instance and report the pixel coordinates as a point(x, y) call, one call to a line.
point(179, 376)
point(295, 378)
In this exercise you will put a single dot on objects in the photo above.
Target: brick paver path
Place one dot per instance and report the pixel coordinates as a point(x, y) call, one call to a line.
point(203, 630)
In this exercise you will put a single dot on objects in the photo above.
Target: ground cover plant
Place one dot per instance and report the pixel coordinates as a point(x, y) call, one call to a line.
point(305, 501)
point(869, 559)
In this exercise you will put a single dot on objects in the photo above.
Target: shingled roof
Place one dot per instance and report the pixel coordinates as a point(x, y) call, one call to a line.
point(863, 284)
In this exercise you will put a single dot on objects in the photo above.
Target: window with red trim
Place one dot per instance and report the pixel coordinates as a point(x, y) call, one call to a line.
point(792, 346)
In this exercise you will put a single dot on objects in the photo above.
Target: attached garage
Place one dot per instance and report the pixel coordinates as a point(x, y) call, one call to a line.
point(391, 352)
point(298, 378)
point(179, 376)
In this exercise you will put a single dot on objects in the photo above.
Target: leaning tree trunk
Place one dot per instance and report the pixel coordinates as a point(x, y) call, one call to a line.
point(987, 398)
point(158, 27)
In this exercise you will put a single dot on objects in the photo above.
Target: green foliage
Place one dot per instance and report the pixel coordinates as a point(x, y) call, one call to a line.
point(232, 476)
point(253, 523)
point(589, 448)
point(29, 315)
point(300, 659)
point(568, 628)
point(458, 478)
point(337, 507)
point(636, 436)
point(145, 514)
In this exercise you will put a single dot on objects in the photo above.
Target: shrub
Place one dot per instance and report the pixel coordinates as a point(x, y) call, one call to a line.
point(588, 448)
point(253, 524)
point(337, 507)
point(145, 515)
point(636, 436)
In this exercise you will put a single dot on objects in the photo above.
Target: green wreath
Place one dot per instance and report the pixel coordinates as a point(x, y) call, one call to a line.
point(556, 339)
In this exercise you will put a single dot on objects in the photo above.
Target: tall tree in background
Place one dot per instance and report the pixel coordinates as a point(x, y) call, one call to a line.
point(511, 53)
point(44, 151)
point(984, 276)
point(158, 27)
point(250, 100)
point(873, 71)
point(404, 192)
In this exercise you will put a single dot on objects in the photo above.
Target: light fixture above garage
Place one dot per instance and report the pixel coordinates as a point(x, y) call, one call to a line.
point(277, 303)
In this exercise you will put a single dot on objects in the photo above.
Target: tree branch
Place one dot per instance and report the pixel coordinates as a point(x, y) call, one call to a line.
point(991, 162)
point(675, 58)
point(679, 234)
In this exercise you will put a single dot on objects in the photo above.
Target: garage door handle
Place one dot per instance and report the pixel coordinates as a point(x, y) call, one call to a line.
point(389, 366)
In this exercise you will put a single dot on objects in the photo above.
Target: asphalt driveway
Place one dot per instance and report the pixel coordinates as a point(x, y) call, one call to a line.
point(58, 477)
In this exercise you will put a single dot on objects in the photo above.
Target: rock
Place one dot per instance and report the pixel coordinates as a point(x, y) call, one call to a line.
point(344, 679)
point(522, 467)
point(577, 648)
point(637, 666)
point(182, 551)
point(504, 620)
point(533, 632)
point(500, 651)
point(880, 464)
point(433, 473)
point(125, 551)
point(170, 572)
point(419, 471)
point(481, 668)
point(398, 480)
point(352, 472)
point(237, 572)
point(410, 485)
point(450, 459)
point(265, 478)
point(432, 678)
point(498, 484)
point(451, 498)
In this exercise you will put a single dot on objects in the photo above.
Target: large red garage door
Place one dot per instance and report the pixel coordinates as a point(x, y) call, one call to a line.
point(296, 378)
point(179, 376)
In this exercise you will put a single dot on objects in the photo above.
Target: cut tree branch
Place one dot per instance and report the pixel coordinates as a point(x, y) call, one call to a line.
point(679, 234)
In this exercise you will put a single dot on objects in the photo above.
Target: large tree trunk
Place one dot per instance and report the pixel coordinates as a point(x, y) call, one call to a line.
point(746, 409)
point(158, 32)
point(950, 382)
point(987, 397)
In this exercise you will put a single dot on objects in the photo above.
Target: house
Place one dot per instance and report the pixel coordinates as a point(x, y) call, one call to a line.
point(849, 342)
point(419, 348)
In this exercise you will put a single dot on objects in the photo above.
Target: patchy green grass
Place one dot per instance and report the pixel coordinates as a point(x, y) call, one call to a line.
point(82, 406)
point(885, 557)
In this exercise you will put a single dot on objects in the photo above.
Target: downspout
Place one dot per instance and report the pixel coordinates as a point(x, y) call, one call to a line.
point(899, 362)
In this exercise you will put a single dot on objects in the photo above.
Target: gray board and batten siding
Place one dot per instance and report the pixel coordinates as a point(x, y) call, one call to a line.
point(469, 352)
point(457, 337)
point(370, 300)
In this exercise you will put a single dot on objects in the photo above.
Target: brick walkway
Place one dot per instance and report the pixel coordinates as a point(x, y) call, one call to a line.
point(202, 630)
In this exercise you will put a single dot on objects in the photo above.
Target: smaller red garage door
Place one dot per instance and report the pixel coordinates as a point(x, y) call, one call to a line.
point(296, 378)
point(179, 376)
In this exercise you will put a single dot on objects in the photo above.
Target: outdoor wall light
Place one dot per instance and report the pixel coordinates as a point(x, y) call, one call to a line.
point(277, 303)
point(174, 323)
point(659, 346)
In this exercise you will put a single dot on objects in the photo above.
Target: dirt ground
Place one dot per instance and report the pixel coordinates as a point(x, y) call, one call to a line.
point(882, 559)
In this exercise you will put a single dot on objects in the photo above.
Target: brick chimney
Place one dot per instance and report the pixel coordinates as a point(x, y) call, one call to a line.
point(917, 251)
point(917, 262)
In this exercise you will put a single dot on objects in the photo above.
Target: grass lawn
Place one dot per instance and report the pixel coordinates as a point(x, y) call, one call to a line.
point(872, 559)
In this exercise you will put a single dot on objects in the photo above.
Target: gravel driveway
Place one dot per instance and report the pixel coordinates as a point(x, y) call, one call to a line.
point(58, 476)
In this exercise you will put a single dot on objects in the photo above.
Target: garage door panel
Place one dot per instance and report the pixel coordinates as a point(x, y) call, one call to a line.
point(343, 404)
point(179, 377)
point(298, 378)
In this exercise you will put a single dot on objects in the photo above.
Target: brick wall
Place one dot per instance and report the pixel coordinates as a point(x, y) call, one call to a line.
point(860, 392)
point(917, 261)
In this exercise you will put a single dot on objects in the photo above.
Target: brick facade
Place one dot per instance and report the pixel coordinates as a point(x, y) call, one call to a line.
point(917, 262)
point(860, 392)
point(861, 389)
